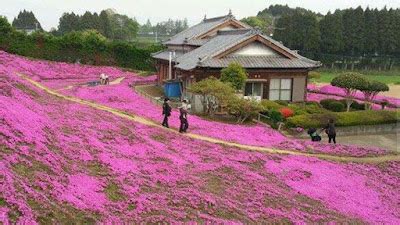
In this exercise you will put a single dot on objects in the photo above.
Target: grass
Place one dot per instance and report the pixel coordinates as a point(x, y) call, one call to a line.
point(114, 193)
point(387, 77)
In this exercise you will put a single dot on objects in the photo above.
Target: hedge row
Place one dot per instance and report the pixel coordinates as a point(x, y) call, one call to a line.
point(344, 119)
point(87, 47)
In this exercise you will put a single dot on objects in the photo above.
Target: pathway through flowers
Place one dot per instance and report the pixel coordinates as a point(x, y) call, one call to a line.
point(145, 121)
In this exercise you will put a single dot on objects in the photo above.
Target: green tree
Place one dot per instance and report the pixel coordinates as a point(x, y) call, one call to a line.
point(68, 22)
point(244, 109)
point(105, 24)
point(371, 90)
point(331, 33)
point(255, 21)
point(371, 31)
point(299, 31)
point(353, 31)
point(26, 20)
point(234, 74)
point(350, 82)
point(214, 93)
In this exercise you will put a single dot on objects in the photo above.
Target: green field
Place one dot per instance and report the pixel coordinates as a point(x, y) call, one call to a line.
point(388, 77)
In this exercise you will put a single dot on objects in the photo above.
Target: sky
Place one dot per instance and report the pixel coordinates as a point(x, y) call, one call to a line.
point(48, 12)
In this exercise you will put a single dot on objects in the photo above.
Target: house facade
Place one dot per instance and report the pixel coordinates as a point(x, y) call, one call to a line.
point(275, 72)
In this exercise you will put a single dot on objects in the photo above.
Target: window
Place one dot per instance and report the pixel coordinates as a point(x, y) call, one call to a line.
point(280, 89)
point(253, 89)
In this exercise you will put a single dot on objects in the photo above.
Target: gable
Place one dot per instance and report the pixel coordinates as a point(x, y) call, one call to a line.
point(255, 48)
point(227, 25)
point(248, 47)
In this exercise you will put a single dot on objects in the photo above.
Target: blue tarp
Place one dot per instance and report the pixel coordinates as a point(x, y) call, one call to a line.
point(172, 89)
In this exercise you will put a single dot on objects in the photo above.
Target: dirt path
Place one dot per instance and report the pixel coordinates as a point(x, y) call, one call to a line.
point(122, 114)
point(117, 81)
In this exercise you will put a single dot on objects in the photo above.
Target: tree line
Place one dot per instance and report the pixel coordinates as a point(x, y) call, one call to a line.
point(351, 37)
point(108, 23)
point(168, 28)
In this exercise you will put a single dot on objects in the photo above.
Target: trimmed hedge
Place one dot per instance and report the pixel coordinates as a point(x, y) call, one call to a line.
point(344, 119)
point(88, 47)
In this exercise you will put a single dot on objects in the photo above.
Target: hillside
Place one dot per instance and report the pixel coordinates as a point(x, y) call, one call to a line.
point(68, 160)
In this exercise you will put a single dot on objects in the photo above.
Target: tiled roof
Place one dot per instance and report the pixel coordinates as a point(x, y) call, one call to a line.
point(271, 62)
point(188, 36)
point(165, 55)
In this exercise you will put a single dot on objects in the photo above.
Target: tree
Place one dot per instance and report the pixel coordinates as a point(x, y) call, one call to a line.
point(234, 74)
point(371, 31)
point(105, 24)
point(26, 20)
point(350, 82)
point(5, 32)
point(254, 21)
point(244, 109)
point(68, 22)
point(215, 93)
point(353, 30)
point(371, 90)
point(331, 33)
point(299, 31)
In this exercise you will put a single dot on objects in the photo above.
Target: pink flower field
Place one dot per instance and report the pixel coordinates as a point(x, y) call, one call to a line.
point(330, 91)
point(63, 162)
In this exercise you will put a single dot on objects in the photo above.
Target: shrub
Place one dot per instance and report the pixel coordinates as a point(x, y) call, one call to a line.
point(343, 119)
point(270, 105)
point(214, 92)
point(336, 106)
point(234, 74)
point(275, 116)
point(350, 82)
point(244, 109)
point(325, 102)
point(314, 75)
point(298, 109)
point(286, 112)
point(282, 102)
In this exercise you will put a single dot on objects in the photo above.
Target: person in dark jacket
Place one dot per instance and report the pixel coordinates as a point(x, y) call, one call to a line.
point(330, 130)
point(166, 112)
point(184, 121)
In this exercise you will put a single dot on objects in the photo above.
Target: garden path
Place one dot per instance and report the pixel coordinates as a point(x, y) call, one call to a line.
point(145, 121)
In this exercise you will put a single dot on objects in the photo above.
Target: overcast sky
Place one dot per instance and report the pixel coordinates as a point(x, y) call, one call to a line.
point(48, 12)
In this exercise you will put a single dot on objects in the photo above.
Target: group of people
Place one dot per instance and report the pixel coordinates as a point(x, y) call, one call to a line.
point(104, 79)
point(329, 129)
point(183, 114)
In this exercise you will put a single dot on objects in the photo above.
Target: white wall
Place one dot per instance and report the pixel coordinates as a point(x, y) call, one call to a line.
point(255, 49)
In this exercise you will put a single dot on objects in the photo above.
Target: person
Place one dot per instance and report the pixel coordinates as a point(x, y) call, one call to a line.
point(102, 78)
point(166, 112)
point(330, 130)
point(107, 80)
point(315, 137)
point(184, 121)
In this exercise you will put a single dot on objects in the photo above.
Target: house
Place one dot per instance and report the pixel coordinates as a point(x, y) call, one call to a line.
point(275, 72)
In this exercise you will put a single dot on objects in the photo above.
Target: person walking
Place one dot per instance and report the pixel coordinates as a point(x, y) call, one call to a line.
point(330, 130)
point(166, 112)
point(184, 121)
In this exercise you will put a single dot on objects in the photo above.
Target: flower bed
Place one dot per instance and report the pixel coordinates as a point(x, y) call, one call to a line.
point(335, 91)
point(67, 163)
point(123, 97)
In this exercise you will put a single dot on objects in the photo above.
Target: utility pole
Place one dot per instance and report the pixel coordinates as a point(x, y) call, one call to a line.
point(170, 66)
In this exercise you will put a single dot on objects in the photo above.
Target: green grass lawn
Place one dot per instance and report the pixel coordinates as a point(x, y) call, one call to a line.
point(388, 77)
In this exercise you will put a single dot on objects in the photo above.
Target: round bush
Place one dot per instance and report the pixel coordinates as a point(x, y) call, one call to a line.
point(325, 102)
point(336, 107)
point(281, 102)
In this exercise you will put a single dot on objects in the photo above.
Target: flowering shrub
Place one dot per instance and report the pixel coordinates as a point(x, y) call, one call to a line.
point(335, 91)
point(286, 112)
point(63, 162)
